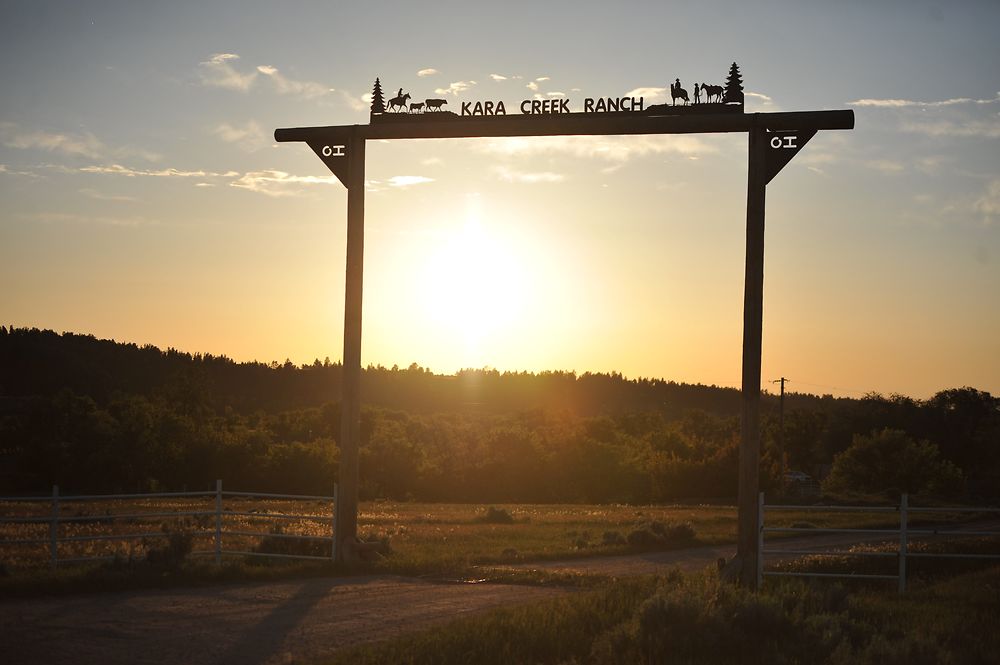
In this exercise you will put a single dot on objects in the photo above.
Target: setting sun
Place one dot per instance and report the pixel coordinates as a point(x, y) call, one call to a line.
point(473, 288)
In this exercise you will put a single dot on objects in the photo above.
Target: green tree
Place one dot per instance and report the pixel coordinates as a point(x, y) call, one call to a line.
point(890, 462)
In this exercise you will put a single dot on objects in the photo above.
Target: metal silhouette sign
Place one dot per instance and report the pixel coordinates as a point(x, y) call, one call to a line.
point(703, 107)
point(716, 99)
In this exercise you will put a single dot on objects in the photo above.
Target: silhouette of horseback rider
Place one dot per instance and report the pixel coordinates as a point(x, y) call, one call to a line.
point(400, 93)
point(676, 91)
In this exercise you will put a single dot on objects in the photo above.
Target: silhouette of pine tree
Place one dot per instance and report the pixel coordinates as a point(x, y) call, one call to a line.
point(378, 102)
point(734, 86)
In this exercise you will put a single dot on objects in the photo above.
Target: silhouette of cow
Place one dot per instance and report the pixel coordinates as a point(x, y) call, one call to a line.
point(417, 107)
point(435, 104)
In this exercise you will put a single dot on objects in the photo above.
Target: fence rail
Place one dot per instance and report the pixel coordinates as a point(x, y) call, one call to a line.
point(218, 533)
point(902, 533)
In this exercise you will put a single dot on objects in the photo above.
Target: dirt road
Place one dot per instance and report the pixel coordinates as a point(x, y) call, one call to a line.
point(256, 624)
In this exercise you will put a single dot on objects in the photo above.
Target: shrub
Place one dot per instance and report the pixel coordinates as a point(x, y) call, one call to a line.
point(658, 534)
point(612, 538)
point(173, 553)
point(494, 515)
point(274, 544)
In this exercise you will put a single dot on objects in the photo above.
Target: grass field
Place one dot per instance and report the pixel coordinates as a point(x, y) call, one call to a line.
point(696, 619)
point(420, 534)
point(424, 539)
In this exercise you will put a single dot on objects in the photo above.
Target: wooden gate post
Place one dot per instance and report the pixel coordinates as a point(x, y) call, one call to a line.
point(350, 411)
point(753, 309)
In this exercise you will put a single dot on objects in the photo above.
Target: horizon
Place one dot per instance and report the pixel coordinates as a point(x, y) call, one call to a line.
point(144, 197)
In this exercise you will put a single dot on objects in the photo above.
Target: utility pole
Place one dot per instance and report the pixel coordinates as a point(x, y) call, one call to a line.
point(781, 433)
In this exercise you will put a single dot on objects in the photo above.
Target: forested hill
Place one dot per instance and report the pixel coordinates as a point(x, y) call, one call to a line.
point(41, 363)
point(95, 415)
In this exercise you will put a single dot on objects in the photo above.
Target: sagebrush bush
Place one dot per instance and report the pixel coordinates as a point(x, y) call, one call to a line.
point(172, 553)
point(494, 515)
point(294, 546)
point(658, 534)
point(612, 538)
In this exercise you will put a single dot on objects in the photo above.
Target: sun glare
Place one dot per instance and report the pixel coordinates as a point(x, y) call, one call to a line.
point(474, 289)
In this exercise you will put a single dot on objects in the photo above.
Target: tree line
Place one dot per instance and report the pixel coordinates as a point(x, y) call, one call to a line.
point(100, 416)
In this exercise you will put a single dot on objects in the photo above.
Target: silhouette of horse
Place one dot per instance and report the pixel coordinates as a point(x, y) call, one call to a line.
point(677, 92)
point(398, 102)
point(712, 91)
point(419, 108)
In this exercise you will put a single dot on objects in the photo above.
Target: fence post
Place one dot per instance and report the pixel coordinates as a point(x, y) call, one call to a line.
point(333, 525)
point(903, 505)
point(218, 522)
point(54, 529)
point(760, 540)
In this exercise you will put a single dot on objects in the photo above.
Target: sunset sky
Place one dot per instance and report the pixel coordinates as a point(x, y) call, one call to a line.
point(142, 197)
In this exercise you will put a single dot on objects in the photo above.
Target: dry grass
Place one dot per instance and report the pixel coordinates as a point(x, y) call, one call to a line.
point(423, 537)
point(106, 517)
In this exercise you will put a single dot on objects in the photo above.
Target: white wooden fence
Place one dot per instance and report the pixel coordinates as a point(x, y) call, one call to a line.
point(58, 516)
point(901, 534)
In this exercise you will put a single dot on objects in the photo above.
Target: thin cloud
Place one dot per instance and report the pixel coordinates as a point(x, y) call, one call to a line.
point(971, 128)
point(649, 95)
point(532, 86)
point(248, 136)
point(279, 183)
point(498, 77)
point(511, 175)
point(455, 88)
point(71, 218)
point(7, 171)
point(286, 86)
point(118, 169)
point(100, 196)
point(885, 166)
point(218, 72)
point(430, 71)
point(362, 103)
point(988, 205)
point(75, 145)
point(408, 180)
point(910, 103)
point(82, 145)
point(543, 78)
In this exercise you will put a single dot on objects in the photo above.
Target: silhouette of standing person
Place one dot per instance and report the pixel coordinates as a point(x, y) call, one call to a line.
point(697, 94)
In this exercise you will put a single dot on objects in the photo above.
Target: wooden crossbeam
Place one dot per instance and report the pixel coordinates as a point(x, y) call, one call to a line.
point(577, 124)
